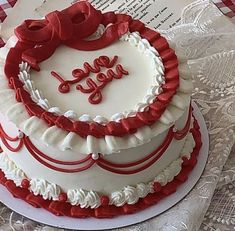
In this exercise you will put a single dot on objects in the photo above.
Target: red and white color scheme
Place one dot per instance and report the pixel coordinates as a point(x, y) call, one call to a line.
point(227, 7)
point(5, 6)
point(95, 114)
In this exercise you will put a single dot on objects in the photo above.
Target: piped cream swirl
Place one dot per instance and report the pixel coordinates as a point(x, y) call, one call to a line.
point(11, 171)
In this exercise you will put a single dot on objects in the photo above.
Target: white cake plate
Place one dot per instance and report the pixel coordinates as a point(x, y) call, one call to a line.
point(43, 216)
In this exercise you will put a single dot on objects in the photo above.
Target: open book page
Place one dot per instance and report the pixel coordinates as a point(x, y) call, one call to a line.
point(158, 14)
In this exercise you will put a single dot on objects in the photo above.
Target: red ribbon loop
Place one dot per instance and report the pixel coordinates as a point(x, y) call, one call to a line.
point(70, 27)
point(61, 25)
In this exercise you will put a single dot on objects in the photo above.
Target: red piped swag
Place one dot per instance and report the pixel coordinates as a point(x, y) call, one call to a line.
point(5, 138)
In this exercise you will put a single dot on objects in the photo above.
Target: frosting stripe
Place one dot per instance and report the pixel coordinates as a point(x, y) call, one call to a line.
point(34, 149)
point(4, 137)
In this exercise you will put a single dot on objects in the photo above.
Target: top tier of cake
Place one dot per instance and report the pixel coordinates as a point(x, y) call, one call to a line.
point(104, 78)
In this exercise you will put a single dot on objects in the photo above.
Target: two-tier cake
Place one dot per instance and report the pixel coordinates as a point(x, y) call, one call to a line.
point(96, 118)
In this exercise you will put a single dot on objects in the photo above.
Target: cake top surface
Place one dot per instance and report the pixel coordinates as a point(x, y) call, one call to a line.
point(108, 97)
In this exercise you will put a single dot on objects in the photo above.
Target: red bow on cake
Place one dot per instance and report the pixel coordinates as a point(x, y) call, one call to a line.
point(70, 27)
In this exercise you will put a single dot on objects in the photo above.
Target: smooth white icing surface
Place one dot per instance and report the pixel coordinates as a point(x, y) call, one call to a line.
point(134, 55)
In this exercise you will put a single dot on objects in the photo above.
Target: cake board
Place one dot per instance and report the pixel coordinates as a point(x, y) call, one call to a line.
point(43, 216)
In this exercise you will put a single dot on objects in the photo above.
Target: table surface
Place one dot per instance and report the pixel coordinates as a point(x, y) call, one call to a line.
point(221, 213)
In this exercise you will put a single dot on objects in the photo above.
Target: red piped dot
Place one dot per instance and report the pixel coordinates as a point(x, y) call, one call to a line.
point(63, 197)
point(104, 200)
point(157, 187)
point(25, 183)
point(3, 180)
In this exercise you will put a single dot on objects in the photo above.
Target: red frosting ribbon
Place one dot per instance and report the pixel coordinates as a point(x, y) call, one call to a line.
point(69, 27)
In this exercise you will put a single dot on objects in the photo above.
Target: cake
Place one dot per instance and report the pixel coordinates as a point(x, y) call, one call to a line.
point(95, 114)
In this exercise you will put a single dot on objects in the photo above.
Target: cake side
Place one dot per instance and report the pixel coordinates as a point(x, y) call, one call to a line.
point(92, 173)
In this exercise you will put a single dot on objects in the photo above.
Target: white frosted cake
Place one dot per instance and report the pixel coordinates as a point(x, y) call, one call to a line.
point(95, 114)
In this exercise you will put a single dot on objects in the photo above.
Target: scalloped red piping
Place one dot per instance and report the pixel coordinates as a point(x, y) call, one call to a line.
point(5, 138)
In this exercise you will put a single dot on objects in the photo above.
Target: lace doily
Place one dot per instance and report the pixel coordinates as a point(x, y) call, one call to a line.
point(205, 38)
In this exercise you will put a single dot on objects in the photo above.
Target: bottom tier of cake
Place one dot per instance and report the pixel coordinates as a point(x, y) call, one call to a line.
point(95, 204)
